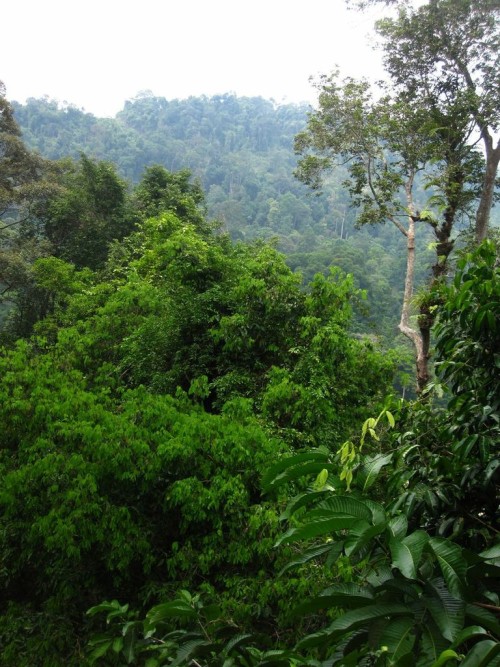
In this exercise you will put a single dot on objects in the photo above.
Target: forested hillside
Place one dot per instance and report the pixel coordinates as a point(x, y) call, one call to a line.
point(207, 459)
point(241, 150)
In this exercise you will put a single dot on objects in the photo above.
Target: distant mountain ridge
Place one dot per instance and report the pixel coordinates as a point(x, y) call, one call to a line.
point(240, 148)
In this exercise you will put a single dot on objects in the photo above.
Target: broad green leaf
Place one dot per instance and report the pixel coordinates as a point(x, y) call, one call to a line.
point(483, 617)
point(320, 526)
point(321, 480)
point(468, 633)
point(406, 553)
point(432, 645)
point(447, 611)
point(302, 500)
point(187, 650)
point(399, 637)
point(167, 610)
point(359, 617)
point(346, 505)
point(452, 563)
point(360, 534)
point(235, 642)
point(378, 512)
point(483, 654)
point(113, 608)
point(319, 638)
point(309, 554)
point(492, 553)
point(398, 526)
point(370, 469)
point(390, 418)
point(117, 644)
point(129, 646)
point(345, 595)
point(296, 472)
point(445, 657)
point(100, 650)
point(292, 467)
point(379, 574)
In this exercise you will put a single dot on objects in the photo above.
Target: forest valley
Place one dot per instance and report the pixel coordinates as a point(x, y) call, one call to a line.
point(210, 454)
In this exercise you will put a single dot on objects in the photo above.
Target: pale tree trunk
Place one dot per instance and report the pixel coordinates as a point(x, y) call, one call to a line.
point(420, 339)
point(490, 175)
point(492, 160)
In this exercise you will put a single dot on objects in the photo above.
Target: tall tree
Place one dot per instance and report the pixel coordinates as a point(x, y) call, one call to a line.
point(386, 144)
point(86, 213)
point(25, 181)
point(446, 54)
point(18, 167)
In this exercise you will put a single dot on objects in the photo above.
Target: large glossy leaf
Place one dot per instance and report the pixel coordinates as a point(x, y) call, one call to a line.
point(236, 642)
point(346, 505)
point(344, 595)
point(370, 469)
point(485, 653)
point(188, 650)
point(174, 609)
point(378, 512)
point(316, 528)
point(398, 526)
point(294, 467)
point(484, 618)
point(319, 638)
point(469, 633)
point(447, 611)
point(445, 658)
point(365, 615)
point(379, 574)
point(315, 551)
point(493, 553)
point(432, 644)
point(452, 563)
point(399, 637)
point(302, 500)
point(360, 535)
point(407, 552)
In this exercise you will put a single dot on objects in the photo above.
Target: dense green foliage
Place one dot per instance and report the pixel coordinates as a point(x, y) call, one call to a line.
point(239, 148)
point(403, 520)
point(202, 462)
point(241, 152)
point(137, 423)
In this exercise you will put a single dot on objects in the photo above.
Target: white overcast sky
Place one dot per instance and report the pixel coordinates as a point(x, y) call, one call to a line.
point(96, 54)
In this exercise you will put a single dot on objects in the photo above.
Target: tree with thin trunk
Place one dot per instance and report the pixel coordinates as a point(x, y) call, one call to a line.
point(446, 54)
point(388, 143)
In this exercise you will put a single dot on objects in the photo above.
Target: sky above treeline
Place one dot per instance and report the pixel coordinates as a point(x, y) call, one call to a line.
point(98, 53)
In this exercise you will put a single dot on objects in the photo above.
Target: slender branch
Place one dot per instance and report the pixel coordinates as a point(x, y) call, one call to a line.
point(491, 607)
point(398, 225)
point(11, 224)
point(476, 518)
point(377, 201)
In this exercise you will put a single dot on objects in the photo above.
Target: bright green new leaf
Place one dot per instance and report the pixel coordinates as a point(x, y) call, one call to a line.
point(445, 657)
